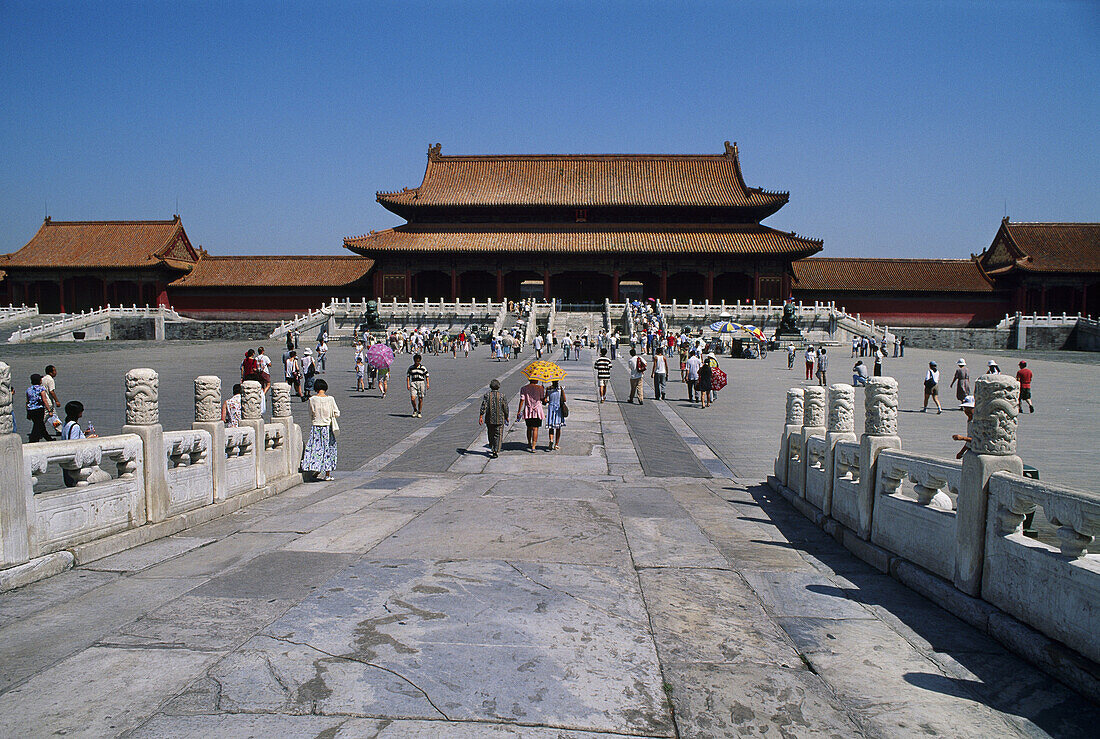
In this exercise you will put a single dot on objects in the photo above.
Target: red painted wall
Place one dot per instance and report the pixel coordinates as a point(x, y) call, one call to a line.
point(933, 309)
point(275, 303)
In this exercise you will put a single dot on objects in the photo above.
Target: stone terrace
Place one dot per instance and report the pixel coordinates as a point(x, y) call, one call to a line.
point(641, 581)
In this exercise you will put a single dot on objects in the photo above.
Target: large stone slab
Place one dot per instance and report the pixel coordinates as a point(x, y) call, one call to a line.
point(276, 575)
point(128, 686)
point(224, 554)
point(712, 616)
point(670, 542)
point(356, 532)
point(294, 522)
point(147, 555)
point(197, 622)
point(804, 594)
point(745, 700)
point(514, 529)
point(18, 604)
point(411, 504)
point(35, 642)
point(348, 501)
point(550, 644)
point(562, 488)
point(893, 687)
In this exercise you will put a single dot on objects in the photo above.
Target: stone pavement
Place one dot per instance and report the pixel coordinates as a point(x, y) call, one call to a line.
point(593, 591)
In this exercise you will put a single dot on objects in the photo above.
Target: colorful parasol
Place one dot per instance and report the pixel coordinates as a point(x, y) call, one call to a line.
point(725, 327)
point(717, 379)
point(753, 331)
point(543, 371)
point(379, 356)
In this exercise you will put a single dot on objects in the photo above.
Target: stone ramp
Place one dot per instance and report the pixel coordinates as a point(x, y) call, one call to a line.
point(554, 594)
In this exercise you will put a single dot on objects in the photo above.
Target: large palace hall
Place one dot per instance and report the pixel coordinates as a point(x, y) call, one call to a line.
point(578, 228)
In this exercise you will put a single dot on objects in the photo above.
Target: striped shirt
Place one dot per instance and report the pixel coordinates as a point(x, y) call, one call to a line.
point(603, 368)
point(417, 373)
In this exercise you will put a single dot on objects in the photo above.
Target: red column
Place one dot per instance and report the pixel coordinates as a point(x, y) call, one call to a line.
point(615, 285)
point(500, 284)
point(61, 293)
point(755, 285)
point(408, 284)
point(454, 284)
point(546, 284)
point(708, 285)
point(378, 285)
point(1042, 300)
point(664, 286)
point(105, 301)
point(162, 294)
point(1085, 299)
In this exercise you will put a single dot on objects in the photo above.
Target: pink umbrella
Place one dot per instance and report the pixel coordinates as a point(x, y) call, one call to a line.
point(379, 356)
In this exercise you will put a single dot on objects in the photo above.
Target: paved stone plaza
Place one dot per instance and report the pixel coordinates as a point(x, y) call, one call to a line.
point(640, 581)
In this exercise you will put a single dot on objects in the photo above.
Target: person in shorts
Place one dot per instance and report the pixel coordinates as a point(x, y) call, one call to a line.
point(603, 373)
point(416, 379)
point(1023, 376)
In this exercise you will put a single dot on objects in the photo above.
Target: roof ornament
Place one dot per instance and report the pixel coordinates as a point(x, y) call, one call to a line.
point(731, 149)
point(436, 151)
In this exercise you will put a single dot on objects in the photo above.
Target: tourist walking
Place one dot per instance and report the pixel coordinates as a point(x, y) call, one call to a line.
point(309, 373)
point(37, 400)
point(603, 373)
point(968, 409)
point(993, 369)
point(293, 371)
point(790, 357)
point(530, 410)
point(263, 365)
point(660, 375)
point(878, 362)
point(250, 368)
point(494, 414)
point(319, 457)
point(811, 357)
point(417, 381)
point(71, 431)
point(822, 367)
point(961, 380)
point(637, 372)
point(1023, 376)
point(360, 369)
point(231, 408)
point(932, 388)
point(705, 379)
point(49, 378)
point(694, 364)
point(322, 353)
point(555, 415)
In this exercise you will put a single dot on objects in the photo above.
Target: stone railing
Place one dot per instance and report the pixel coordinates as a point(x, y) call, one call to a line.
point(76, 321)
point(17, 312)
point(949, 528)
point(70, 501)
point(341, 311)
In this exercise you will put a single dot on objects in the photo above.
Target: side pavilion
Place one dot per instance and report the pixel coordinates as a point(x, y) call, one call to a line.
point(581, 227)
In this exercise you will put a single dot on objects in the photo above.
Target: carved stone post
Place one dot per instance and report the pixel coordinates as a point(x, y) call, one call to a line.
point(880, 431)
point(16, 504)
point(292, 435)
point(143, 419)
point(992, 449)
point(793, 425)
point(813, 424)
point(208, 417)
point(252, 417)
point(841, 427)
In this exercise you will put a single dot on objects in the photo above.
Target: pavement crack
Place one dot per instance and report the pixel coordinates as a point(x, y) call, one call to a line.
point(348, 658)
point(590, 604)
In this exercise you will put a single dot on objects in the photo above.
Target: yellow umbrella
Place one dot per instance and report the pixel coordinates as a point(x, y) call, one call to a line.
point(543, 371)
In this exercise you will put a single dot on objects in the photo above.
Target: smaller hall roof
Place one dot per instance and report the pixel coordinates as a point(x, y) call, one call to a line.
point(275, 271)
point(106, 244)
point(584, 180)
point(1044, 247)
point(890, 275)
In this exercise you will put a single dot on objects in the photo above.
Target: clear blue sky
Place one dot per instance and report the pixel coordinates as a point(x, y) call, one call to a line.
point(900, 129)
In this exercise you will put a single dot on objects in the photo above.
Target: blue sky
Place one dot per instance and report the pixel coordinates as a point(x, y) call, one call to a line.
point(900, 129)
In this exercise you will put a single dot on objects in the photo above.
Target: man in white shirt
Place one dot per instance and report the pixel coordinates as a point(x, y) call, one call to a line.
point(537, 346)
point(660, 374)
point(693, 364)
point(264, 363)
point(637, 372)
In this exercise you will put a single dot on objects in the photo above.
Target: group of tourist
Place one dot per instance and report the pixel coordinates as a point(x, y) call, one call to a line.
point(42, 405)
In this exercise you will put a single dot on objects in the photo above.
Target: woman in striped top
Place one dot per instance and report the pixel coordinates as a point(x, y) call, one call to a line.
point(603, 372)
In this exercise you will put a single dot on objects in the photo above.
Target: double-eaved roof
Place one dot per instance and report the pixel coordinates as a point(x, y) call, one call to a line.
point(890, 275)
point(106, 244)
point(275, 271)
point(1043, 247)
point(585, 180)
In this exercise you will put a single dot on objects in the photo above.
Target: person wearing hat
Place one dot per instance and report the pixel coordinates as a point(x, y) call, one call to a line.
point(309, 373)
point(932, 388)
point(961, 380)
point(494, 414)
point(993, 368)
point(968, 409)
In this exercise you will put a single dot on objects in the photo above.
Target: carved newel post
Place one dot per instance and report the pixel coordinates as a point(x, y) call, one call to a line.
point(208, 417)
point(292, 434)
point(992, 449)
point(143, 419)
point(880, 431)
point(793, 425)
point(813, 424)
point(252, 417)
point(15, 491)
point(841, 427)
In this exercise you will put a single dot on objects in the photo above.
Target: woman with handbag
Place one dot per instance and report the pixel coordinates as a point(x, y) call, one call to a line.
point(319, 457)
point(932, 387)
point(556, 413)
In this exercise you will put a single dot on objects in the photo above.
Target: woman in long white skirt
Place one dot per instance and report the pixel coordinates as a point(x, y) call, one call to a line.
point(319, 457)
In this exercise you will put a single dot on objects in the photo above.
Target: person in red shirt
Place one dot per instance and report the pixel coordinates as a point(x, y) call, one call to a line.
point(1023, 376)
